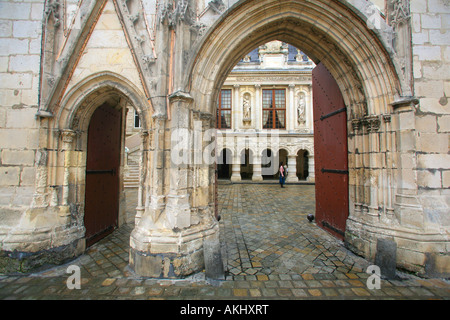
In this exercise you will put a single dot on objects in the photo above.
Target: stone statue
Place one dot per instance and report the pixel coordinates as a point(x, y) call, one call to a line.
point(247, 109)
point(301, 117)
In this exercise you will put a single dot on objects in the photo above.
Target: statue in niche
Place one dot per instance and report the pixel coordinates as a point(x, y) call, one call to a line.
point(247, 108)
point(301, 105)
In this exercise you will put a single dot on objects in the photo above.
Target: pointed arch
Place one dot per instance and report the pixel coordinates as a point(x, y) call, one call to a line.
point(330, 32)
point(85, 96)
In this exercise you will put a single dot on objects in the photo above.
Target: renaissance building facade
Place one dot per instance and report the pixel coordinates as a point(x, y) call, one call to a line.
point(264, 116)
point(378, 92)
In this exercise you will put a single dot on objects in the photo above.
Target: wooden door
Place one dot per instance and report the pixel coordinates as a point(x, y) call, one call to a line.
point(330, 148)
point(102, 173)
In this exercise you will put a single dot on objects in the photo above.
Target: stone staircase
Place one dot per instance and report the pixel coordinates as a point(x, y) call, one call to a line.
point(131, 178)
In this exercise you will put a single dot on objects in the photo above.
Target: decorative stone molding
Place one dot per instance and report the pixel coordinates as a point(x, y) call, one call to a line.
point(399, 16)
point(180, 96)
point(356, 125)
point(174, 13)
point(372, 123)
point(405, 103)
point(52, 8)
point(68, 135)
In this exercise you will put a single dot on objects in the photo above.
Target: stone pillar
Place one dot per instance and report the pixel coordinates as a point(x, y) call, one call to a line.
point(178, 226)
point(389, 184)
point(358, 165)
point(408, 209)
point(145, 239)
point(177, 204)
point(373, 125)
point(292, 169)
point(236, 169)
point(257, 176)
point(309, 111)
point(311, 169)
point(67, 138)
point(236, 110)
point(142, 175)
point(291, 110)
point(257, 110)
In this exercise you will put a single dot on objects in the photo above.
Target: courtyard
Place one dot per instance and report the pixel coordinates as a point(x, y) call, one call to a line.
point(270, 251)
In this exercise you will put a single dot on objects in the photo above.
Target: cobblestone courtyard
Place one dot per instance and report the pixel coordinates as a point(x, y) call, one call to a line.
point(270, 252)
point(266, 231)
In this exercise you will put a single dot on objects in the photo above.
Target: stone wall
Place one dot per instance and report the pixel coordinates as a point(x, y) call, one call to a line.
point(431, 56)
point(20, 49)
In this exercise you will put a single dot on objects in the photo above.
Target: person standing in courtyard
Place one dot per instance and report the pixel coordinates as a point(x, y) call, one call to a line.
point(282, 176)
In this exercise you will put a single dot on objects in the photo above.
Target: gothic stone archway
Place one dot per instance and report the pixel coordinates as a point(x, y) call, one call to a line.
point(335, 34)
point(179, 229)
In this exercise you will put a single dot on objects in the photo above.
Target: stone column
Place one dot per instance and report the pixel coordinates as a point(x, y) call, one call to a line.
point(177, 204)
point(373, 125)
point(142, 175)
point(389, 166)
point(358, 164)
point(257, 110)
point(257, 176)
point(145, 239)
point(311, 169)
point(236, 109)
point(67, 138)
point(291, 110)
point(309, 111)
point(292, 169)
point(236, 169)
point(173, 238)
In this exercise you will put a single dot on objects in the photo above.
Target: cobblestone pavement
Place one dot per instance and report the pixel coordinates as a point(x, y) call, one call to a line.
point(270, 251)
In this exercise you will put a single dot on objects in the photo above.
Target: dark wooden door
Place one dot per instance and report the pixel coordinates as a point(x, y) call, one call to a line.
point(102, 173)
point(330, 148)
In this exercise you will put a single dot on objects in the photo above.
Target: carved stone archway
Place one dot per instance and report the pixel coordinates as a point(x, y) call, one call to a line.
point(360, 59)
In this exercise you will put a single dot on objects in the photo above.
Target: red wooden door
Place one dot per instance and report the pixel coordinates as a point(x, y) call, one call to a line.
point(102, 173)
point(330, 148)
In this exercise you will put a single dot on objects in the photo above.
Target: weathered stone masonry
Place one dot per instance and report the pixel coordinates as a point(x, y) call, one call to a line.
point(61, 59)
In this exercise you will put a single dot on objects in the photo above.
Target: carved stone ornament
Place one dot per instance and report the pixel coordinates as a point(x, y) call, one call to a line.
point(52, 8)
point(400, 13)
point(175, 13)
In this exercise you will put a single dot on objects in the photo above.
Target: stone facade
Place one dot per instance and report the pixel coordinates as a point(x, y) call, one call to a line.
point(273, 66)
point(61, 59)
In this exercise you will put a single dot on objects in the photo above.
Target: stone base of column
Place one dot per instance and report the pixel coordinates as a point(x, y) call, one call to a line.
point(235, 173)
point(170, 254)
point(291, 178)
point(235, 178)
point(257, 178)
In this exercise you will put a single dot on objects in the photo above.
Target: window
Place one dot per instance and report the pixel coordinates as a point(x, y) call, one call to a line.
point(224, 110)
point(274, 109)
point(137, 121)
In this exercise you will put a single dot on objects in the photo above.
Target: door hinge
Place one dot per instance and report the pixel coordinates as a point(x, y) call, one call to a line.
point(334, 171)
point(333, 113)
